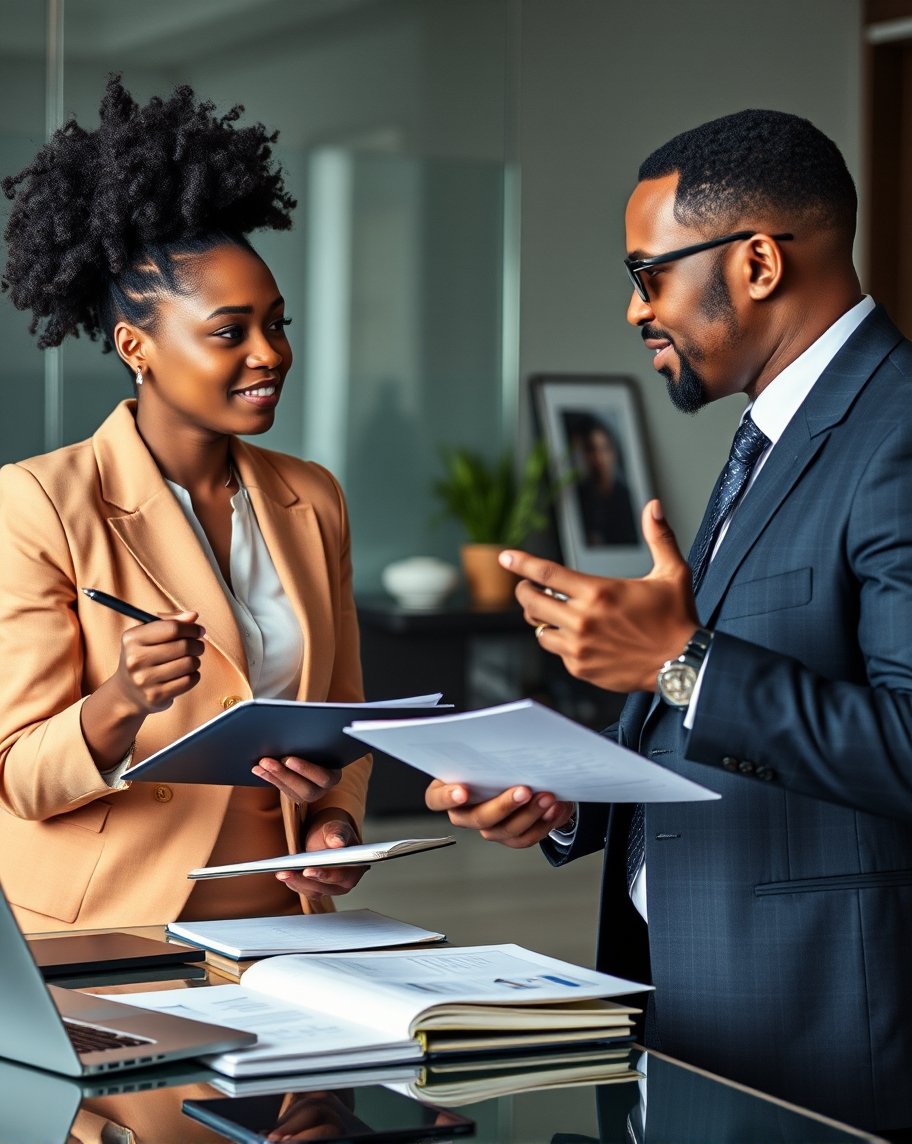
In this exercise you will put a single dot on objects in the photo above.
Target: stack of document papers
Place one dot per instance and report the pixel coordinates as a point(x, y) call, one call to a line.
point(525, 744)
point(331, 1011)
point(301, 933)
point(457, 1081)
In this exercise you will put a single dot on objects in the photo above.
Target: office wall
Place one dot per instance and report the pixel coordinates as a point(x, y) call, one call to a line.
point(578, 90)
point(391, 120)
point(603, 83)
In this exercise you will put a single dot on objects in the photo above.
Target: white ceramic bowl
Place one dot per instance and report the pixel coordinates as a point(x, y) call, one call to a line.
point(420, 582)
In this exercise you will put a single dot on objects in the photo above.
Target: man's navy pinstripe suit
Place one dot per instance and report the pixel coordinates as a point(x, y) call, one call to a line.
point(780, 918)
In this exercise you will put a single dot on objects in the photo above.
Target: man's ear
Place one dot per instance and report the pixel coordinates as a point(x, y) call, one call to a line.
point(129, 341)
point(763, 266)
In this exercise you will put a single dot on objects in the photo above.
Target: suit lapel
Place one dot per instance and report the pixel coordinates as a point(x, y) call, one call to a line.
point(153, 528)
point(636, 710)
point(826, 405)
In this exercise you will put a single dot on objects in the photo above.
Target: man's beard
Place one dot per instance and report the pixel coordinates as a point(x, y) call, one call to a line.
point(688, 393)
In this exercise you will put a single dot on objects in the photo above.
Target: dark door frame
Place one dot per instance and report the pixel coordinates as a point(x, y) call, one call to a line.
point(887, 87)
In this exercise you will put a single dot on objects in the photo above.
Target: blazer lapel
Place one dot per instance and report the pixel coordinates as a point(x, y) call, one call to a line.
point(826, 405)
point(153, 528)
point(637, 709)
point(292, 534)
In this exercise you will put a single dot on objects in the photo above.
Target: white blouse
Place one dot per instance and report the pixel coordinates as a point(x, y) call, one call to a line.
point(266, 620)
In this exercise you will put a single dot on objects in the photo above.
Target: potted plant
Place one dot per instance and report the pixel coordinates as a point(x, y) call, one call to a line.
point(498, 505)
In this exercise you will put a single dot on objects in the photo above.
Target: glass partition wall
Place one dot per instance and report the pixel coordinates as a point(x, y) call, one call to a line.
point(395, 121)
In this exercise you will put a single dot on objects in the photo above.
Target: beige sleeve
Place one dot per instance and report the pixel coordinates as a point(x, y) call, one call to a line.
point(45, 765)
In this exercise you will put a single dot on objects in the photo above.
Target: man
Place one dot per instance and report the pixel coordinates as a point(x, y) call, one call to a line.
point(779, 917)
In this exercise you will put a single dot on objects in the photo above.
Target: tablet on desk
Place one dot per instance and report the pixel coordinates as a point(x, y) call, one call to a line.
point(224, 750)
point(370, 1114)
point(73, 954)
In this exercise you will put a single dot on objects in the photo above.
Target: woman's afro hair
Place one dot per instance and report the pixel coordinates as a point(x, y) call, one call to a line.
point(147, 180)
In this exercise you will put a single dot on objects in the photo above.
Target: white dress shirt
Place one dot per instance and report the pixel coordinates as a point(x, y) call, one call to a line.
point(269, 628)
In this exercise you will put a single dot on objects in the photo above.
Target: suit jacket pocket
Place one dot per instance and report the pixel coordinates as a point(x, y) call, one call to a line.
point(769, 594)
point(877, 879)
point(50, 863)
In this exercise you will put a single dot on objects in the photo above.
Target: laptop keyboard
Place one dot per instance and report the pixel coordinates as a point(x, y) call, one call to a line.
point(95, 1039)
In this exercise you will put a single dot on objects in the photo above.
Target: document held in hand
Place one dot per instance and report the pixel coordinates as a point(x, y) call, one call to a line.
point(223, 750)
point(328, 1011)
point(525, 744)
point(363, 854)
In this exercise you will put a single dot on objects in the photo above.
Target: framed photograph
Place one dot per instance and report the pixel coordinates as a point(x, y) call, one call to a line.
point(592, 427)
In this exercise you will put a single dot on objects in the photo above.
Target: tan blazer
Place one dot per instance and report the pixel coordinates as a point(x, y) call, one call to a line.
point(73, 851)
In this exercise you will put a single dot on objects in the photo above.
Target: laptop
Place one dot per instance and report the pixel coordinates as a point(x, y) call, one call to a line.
point(81, 1035)
point(40, 1107)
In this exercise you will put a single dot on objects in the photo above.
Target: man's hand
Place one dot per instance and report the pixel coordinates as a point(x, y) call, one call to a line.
point(613, 633)
point(516, 818)
point(329, 829)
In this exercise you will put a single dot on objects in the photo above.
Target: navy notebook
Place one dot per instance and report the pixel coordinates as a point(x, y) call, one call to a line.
point(223, 750)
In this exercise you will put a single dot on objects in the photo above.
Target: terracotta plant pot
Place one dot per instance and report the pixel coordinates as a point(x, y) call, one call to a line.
point(490, 585)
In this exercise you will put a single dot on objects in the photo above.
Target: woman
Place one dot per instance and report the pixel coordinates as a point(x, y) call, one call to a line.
point(135, 233)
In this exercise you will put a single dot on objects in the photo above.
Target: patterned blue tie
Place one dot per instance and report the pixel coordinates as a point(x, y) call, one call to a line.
point(746, 450)
point(636, 845)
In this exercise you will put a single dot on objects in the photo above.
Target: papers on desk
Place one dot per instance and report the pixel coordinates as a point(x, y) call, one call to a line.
point(329, 1011)
point(459, 1081)
point(301, 933)
point(361, 855)
point(456, 1083)
point(525, 744)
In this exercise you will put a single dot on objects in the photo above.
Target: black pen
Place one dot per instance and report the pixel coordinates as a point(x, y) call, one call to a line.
point(121, 606)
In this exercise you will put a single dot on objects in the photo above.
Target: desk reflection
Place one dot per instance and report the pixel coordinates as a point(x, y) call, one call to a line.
point(671, 1104)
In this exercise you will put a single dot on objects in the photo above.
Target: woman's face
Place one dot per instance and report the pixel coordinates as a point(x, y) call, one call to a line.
point(218, 355)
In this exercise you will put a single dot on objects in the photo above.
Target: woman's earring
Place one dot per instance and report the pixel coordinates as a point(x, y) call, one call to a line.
point(139, 377)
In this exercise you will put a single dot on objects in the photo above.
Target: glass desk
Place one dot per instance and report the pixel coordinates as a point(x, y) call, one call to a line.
point(682, 1105)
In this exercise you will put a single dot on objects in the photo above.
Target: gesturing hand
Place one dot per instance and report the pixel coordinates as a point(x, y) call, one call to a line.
point(611, 632)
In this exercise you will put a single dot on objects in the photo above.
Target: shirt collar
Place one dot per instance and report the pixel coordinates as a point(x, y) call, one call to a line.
point(781, 399)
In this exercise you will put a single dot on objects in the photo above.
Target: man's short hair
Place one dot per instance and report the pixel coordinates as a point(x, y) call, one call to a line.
point(757, 163)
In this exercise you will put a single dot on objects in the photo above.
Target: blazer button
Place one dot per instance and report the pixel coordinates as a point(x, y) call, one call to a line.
point(163, 793)
point(730, 763)
point(229, 701)
point(746, 767)
point(766, 773)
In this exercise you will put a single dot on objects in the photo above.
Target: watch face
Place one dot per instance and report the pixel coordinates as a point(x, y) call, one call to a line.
point(676, 683)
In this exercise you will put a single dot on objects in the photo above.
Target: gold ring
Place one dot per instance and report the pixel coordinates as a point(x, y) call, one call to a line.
point(539, 628)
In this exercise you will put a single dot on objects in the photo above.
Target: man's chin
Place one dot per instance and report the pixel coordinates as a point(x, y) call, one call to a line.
point(686, 391)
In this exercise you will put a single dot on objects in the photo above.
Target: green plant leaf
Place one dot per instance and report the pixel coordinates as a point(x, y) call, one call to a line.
point(493, 503)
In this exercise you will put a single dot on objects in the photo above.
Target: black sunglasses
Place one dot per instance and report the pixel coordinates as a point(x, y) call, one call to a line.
point(635, 266)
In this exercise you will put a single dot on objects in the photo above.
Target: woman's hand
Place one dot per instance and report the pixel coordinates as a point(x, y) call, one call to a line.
point(328, 830)
point(158, 662)
point(301, 781)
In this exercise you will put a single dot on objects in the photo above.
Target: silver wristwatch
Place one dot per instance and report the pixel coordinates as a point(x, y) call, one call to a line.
point(678, 677)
